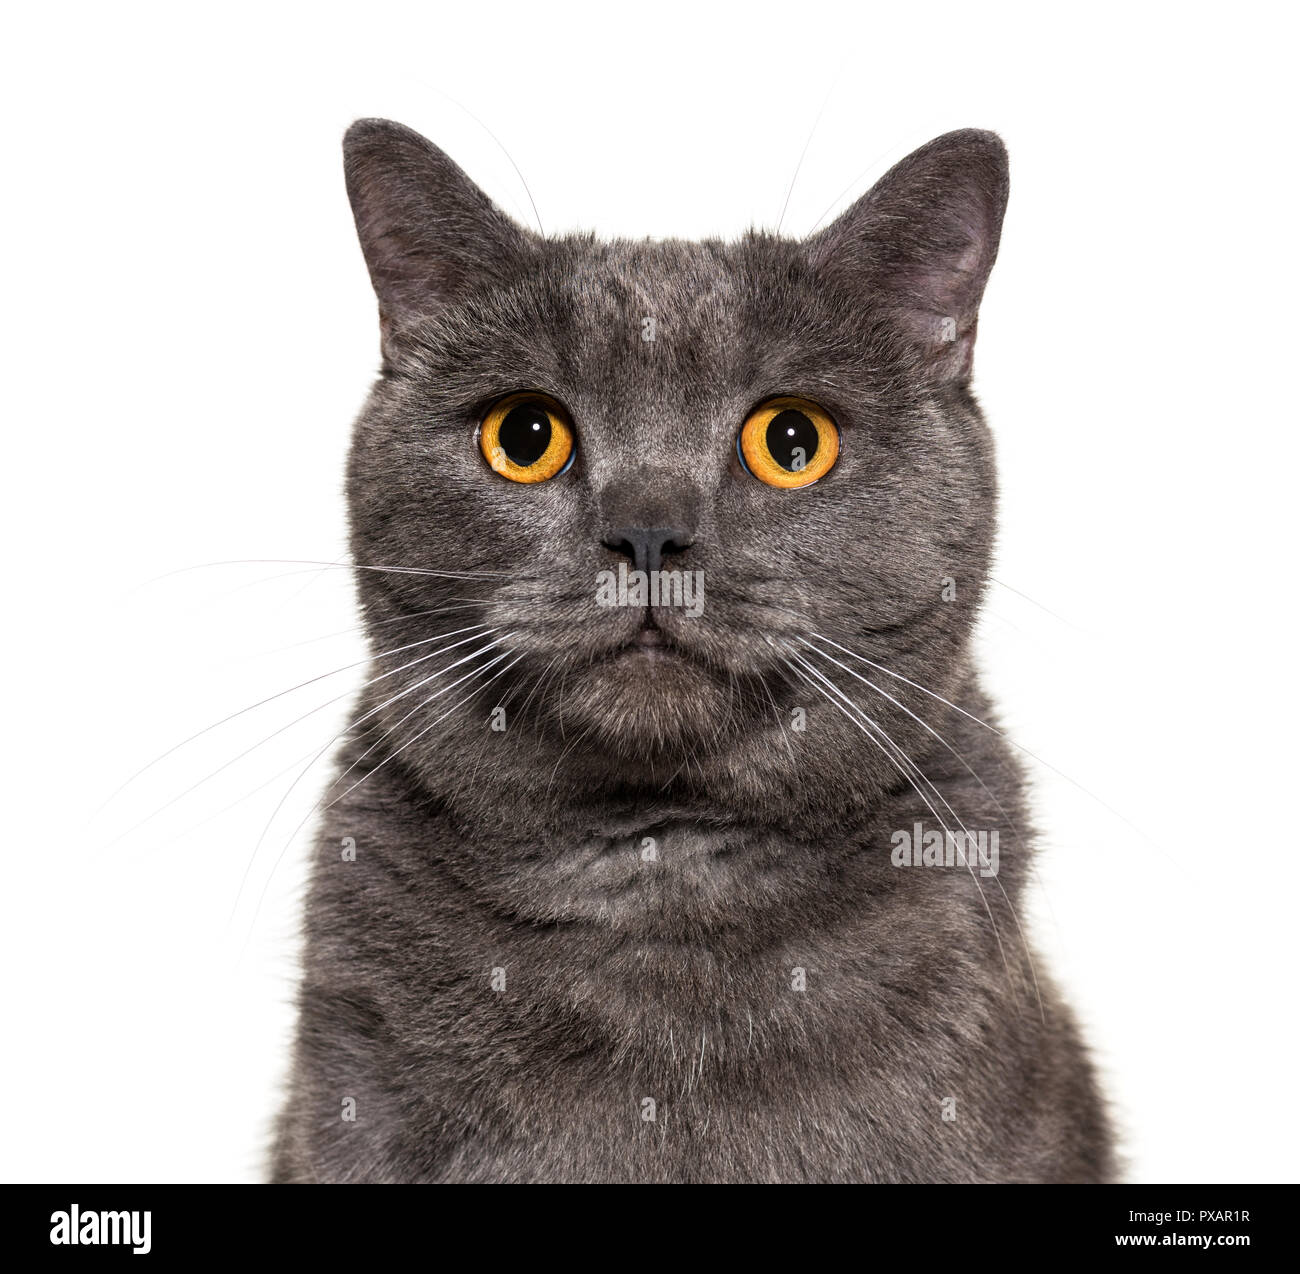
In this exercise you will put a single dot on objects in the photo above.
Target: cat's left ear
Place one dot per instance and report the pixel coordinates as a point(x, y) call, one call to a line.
point(428, 233)
point(923, 240)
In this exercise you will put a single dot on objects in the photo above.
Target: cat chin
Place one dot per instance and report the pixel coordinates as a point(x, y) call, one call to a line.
point(647, 700)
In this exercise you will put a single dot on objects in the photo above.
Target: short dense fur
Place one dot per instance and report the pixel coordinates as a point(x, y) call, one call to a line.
point(796, 1007)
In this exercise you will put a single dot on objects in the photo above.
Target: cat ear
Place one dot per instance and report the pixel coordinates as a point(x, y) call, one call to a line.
point(429, 234)
point(924, 239)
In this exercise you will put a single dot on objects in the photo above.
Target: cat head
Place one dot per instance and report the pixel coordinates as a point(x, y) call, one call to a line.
point(645, 487)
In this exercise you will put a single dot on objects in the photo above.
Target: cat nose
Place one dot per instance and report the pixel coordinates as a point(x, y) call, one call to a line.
point(648, 545)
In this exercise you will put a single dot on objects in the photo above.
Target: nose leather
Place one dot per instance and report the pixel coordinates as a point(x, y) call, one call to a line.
point(647, 546)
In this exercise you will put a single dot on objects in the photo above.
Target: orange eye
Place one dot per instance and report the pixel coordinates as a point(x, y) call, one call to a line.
point(788, 442)
point(527, 438)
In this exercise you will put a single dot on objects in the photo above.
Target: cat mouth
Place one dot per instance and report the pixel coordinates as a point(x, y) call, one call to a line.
point(649, 642)
point(652, 644)
point(650, 637)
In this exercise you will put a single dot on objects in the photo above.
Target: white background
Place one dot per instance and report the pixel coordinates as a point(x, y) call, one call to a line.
point(188, 331)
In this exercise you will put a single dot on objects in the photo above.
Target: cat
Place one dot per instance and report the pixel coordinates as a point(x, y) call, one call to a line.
point(607, 891)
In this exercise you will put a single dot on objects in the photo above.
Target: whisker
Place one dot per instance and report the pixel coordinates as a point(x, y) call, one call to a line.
point(1046, 611)
point(538, 682)
point(875, 164)
point(802, 155)
point(938, 818)
point(476, 672)
point(1024, 941)
point(780, 724)
point(225, 809)
point(1011, 823)
point(925, 725)
point(898, 676)
point(257, 910)
point(302, 685)
point(468, 604)
point(464, 782)
point(392, 729)
point(275, 733)
point(347, 730)
point(527, 189)
point(338, 566)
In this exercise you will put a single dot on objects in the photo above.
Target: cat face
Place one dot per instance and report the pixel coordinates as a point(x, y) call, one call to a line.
point(558, 416)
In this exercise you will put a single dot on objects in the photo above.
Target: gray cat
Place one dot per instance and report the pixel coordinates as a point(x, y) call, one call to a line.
point(676, 846)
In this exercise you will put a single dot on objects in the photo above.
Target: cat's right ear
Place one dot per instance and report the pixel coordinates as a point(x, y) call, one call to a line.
point(429, 234)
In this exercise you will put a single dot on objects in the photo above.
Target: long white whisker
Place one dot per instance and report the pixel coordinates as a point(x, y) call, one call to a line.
point(365, 716)
point(938, 818)
point(785, 207)
point(475, 673)
point(898, 676)
point(780, 725)
point(971, 771)
point(297, 721)
point(925, 725)
point(422, 704)
point(1046, 610)
point(1024, 941)
point(417, 737)
point(537, 216)
point(225, 809)
point(338, 566)
point(280, 694)
point(370, 626)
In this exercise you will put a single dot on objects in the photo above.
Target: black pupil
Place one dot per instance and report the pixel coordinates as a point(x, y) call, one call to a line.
point(525, 434)
point(792, 440)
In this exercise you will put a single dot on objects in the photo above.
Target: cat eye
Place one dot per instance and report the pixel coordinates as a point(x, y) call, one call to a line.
point(527, 438)
point(788, 442)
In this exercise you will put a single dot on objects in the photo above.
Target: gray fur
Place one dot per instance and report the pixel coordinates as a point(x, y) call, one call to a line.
point(520, 850)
